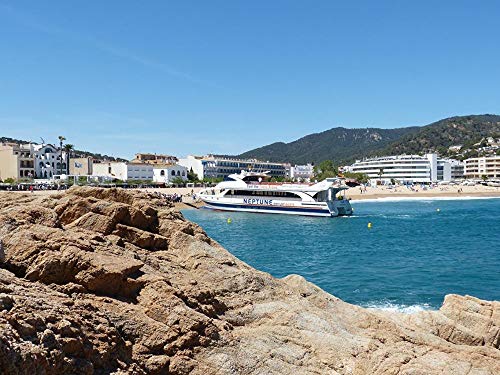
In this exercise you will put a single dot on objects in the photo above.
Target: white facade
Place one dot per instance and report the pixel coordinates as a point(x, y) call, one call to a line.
point(48, 161)
point(123, 171)
point(488, 166)
point(195, 163)
point(302, 172)
point(167, 173)
point(405, 169)
point(213, 166)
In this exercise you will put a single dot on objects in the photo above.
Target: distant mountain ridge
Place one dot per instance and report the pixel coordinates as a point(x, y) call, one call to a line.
point(344, 145)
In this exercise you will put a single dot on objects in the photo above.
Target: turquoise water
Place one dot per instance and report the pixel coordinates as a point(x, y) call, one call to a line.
point(409, 260)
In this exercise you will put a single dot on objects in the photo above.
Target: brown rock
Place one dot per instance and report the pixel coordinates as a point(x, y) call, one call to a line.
point(98, 281)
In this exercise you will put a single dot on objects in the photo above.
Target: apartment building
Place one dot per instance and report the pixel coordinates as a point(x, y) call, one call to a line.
point(488, 166)
point(16, 161)
point(407, 168)
point(214, 166)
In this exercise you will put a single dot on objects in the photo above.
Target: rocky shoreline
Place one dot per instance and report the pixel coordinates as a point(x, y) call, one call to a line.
point(99, 281)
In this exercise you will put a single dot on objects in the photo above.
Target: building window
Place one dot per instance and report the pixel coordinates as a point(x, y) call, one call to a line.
point(173, 173)
point(162, 173)
point(183, 173)
point(178, 173)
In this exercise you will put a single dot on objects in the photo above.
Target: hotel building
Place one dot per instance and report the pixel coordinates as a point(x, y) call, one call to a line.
point(213, 166)
point(488, 166)
point(406, 169)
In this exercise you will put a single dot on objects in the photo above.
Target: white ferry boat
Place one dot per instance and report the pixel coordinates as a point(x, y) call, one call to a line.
point(251, 192)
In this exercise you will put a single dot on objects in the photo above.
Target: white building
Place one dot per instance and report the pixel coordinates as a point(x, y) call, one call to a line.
point(488, 166)
point(406, 169)
point(213, 166)
point(124, 171)
point(166, 174)
point(48, 161)
point(302, 172)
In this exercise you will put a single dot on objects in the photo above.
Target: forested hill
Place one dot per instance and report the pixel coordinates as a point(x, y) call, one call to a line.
point(438, 136)
point(346, 145)
point(338, 144)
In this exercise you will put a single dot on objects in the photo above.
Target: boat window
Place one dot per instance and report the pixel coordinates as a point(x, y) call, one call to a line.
point(227, 178)
point(246, 193)
point(255, 178)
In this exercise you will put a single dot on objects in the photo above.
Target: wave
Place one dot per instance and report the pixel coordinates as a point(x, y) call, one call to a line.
point(401, 199)
point(405, 309)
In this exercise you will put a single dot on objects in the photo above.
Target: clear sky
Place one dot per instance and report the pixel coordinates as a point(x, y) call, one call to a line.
point(183, 77)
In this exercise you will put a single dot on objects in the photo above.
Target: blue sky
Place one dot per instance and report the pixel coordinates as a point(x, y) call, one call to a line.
point(183, 77)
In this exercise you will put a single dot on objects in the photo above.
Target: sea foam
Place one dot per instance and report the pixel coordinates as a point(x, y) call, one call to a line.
point(406, 309)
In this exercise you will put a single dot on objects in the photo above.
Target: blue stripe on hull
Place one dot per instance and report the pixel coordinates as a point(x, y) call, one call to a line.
point(270, 209)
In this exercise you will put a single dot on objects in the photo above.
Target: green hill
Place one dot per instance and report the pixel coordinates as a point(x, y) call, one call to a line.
point(438, 136)
point(338, 144)
point(346, 145)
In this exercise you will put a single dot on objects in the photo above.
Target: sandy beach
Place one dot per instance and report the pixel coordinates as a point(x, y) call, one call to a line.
point(440, 191)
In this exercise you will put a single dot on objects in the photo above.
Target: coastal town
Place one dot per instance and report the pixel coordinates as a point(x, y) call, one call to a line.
point(46, 164)
point(249, 188)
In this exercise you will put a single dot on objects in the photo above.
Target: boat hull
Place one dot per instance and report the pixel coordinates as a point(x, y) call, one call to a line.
point(303, 211)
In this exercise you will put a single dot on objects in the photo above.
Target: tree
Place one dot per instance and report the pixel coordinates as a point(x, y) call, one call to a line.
point(192, 177)
point(380, 173)
point(69, 148)
point(325, 169)
point(484, 177)
point(360, 177)
point(177, 180)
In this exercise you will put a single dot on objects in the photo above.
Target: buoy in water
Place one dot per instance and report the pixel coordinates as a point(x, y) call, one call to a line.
point(369, 225)
point(438, 210)
point(229, 220)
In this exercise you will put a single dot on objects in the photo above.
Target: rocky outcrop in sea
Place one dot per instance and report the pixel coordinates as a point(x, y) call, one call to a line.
point(99, 281)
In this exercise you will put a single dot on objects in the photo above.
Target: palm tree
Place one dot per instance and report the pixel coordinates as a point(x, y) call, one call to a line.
point(61, 139)
point(68, 148)
point(380, 173)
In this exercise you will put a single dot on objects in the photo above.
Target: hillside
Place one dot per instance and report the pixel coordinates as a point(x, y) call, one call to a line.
point(339, 144)
point(438, 136)
point(345, 145)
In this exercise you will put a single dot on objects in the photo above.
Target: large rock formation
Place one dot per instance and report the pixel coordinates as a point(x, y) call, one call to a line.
point(107, 281)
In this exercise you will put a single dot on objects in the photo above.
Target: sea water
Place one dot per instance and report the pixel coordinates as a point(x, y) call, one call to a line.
point(415, 253)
